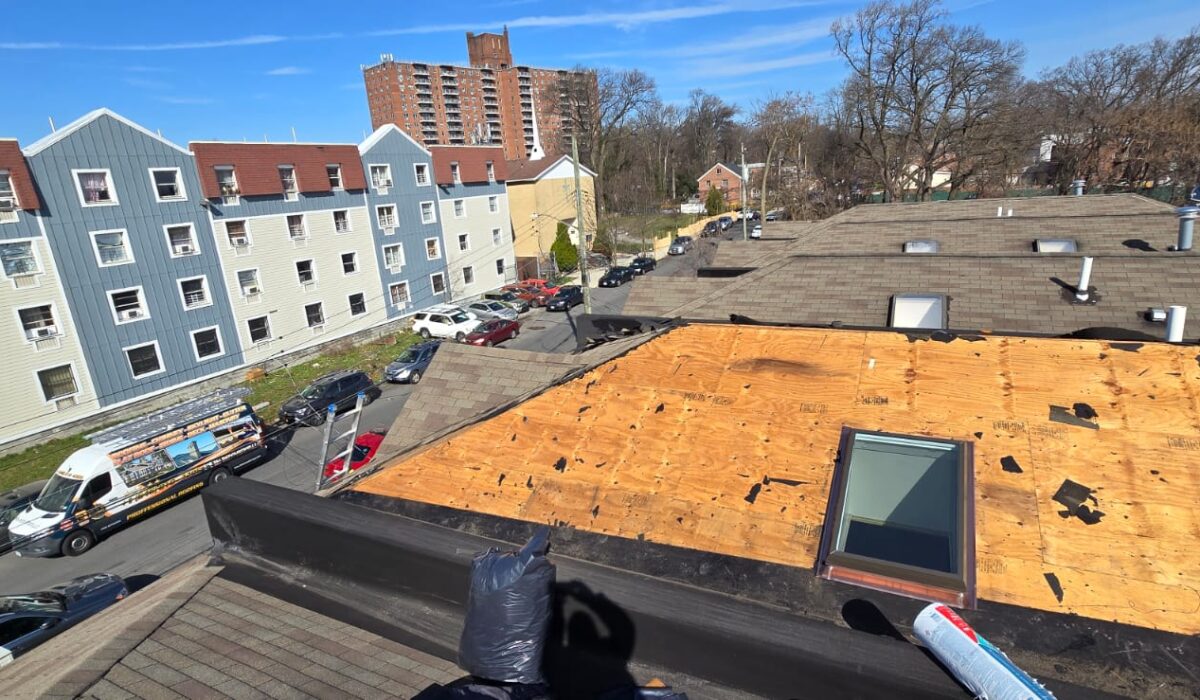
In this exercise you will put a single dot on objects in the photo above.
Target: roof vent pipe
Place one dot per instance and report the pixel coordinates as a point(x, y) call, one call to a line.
point(1010, 211)
point(1077, 187)
point(1085, 279)
point(1187, 223)
point(999, 212)
point(1176, 317)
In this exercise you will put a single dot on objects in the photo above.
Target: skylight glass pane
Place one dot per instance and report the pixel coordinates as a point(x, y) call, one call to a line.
point(921, 246)
point(1056, 245)
point(919, 311)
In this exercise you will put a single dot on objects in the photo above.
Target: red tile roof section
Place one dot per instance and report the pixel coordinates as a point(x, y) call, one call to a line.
point(12, 160)
point(257, 166)
point(472, 163)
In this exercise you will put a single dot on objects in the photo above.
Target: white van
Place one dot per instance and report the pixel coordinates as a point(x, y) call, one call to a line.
point(133, 469)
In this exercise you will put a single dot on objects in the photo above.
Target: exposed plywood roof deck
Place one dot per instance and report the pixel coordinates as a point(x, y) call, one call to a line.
point(666, 442)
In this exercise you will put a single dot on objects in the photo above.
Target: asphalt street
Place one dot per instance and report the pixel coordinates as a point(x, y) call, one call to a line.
point(151, 547)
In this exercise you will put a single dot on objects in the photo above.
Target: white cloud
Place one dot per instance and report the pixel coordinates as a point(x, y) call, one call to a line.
point(187, 100)
point(255, 40)
point(760, 37)
point(288, 70)
point(726, 68)
point(147, 83)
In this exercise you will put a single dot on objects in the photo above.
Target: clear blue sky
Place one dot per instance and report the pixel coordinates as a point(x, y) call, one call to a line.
point(251, 69)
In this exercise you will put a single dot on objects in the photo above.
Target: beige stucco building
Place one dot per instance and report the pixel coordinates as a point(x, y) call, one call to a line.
point(546, 188)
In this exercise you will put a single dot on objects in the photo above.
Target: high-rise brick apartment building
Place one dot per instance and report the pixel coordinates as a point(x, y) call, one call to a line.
point(491, 101)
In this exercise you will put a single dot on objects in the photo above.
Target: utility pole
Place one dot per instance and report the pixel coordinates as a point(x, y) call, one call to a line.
point(745, 186)
point(582, 234)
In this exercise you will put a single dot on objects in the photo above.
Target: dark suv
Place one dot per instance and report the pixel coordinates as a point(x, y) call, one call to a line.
point(642, 264)
point(338, 388)
point(565, 298)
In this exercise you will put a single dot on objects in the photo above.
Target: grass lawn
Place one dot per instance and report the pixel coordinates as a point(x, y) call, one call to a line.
point(279, 384)
point(653, 225)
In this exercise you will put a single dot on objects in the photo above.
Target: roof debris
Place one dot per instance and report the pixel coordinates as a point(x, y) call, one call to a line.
point(1009, 464)
point(561, 464)
point(1060, 414)
point(1055, 586)
point(753, 493)
point(1074, 496)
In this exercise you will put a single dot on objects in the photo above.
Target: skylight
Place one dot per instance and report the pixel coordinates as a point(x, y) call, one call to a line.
point(921, 246)
point(918, 311)
point(1056, 245)
point(899, 517)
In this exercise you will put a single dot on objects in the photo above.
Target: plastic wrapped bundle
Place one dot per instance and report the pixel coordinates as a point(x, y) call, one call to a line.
point(508, 613)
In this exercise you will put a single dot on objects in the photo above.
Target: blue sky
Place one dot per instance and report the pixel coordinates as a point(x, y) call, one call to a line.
point(253, 70)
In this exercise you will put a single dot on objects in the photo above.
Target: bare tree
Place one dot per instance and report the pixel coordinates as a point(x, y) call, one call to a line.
point(781, 123)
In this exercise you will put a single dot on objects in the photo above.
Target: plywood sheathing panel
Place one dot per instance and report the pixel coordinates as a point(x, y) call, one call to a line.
point(673, 441)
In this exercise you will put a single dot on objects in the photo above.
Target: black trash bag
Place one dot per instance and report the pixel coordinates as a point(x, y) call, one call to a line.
point(508, 613)
point(470, 689)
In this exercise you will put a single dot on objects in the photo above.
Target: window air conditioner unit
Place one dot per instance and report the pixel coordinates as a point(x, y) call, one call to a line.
point(46, 331)
point(7, 204)
point(251, 290)
point(184, 249)
point(389, 230)
point(65, 402)
point(129, 314)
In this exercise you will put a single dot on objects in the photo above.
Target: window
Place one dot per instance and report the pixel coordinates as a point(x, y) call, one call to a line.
point(460, 209)
point(421, 170)
point(260, 329)
point(493, 204)
point(468, 275)
point(497, 237)
point(341, 221)
point(168, 184)
point(248, 282)
point(227, 183)
point(314, 315)
point(921, 246)
point(295, 225)
point(95, 188)
point(18, 259)
point(335, 176)
point(918, 311)
point(194, 292)
point(393, 257)
point(500, 267)
point(112, 248)
point(57, 382)
point(464, 241)
point(433, 250)
point(305, 272)
point(398, 293)
point(127, 305)
point(8, 197)
point(725, 183)
point(428, 216)
point(454, 174)
point(287, 179)
point(1055, 245)
point(38, 322)
point(381, 176)
point(491, 172)
point(349, 263)
point(237, 234)
point(358, 304)
point(181, 240)
point(386, 215)
point(899, 517)
point(144, 360)
point(437, 282)
point(12, 630)
point(207, 343)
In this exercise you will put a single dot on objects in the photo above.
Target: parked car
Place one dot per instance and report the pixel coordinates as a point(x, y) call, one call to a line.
point(14, 502)
point(337, 388)
point(411, 365)
point(28, 619)
point(487, 308)
point(544, 285)
point(725, 222)
point(566, 297)
point(680, 245)
point(365, 447)
point(643, 264)
point(756, 232)
point(776, 215)
point(712, 228)
point(444, 321)
point(508, 296)
point(532, 295)
point(616, 276)
point(494, 331)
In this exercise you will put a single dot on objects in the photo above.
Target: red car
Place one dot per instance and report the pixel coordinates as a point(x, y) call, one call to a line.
point(533, 295)
point(365, 448)
point(543, 285)
point(494, 331)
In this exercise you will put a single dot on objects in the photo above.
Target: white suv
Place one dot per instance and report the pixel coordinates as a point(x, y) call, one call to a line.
point(444, 322)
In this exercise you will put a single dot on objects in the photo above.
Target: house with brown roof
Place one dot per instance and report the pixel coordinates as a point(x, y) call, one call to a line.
point(541, 194)
point(725, 177)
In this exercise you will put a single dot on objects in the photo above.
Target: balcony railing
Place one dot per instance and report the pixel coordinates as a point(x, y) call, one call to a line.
point(193, 299)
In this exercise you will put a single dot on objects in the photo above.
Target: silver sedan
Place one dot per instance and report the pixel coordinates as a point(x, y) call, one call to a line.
point(487, 308)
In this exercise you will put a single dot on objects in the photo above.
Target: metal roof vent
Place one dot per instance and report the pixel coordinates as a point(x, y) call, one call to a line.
point(1082, 290)
point(1077, 187)
point(921, 246)
point(1176, 317)
point(1055, 245)
point(919, 311)
point(1187, 223)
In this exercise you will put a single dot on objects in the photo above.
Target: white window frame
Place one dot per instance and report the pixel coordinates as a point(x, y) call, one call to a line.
point(464, 270)
point(304, 310)
point(112, 187)
point(349, 226)
point(208, 298)
point(257, 280)
point(407, 292)
point(58, 332)
point(33, 250)
point(433, 287)
point(287, 226)
point(418, 168)
point(379, 219)
point(432, 212)
point(491, 171)
point(13, 216)
point(312, 266)
point(494, 203)
point(127, 243)
point(502, 265)
point(145, 304)
point(403, 259)
point(229, 200)
point(195, 239)
point(289, 195)
point(456, 172)
point(74, 376)
point(439, 248)
point(181, 197)
point(341, 182)
point(350, 305)
point(245, 225)
point(196, 350)
point(162, 366)
point(250, 337)
point(387, 169)
point(460, 204)
point(464, 237)
point(497, 237)
point(342, 263)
